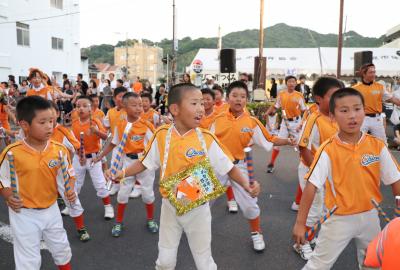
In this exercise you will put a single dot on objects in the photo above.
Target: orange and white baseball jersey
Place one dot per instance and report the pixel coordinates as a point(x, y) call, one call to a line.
point(293, 103)
point(99, 114)
point(352, 173)
point(238, 133)
point(317, 129)
point(36, 179)
point(374, 94)
point(152, 116)
point(43, 91)
point(74, 115)
point(65, 137)
point(207, 120)
point(224, 106)
point(185, 151)
point(112, 118)
point(138, 137)
point(310, 109)
point(91, 142)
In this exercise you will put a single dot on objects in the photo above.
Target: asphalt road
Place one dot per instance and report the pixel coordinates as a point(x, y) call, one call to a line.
point(232, 246)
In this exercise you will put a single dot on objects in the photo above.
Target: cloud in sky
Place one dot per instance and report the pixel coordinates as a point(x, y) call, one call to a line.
point(152, 19)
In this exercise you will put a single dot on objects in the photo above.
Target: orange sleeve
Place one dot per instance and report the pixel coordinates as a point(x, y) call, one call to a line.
point(305, 136)
point(99, 125)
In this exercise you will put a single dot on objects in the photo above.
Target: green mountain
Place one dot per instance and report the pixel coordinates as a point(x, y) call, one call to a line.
point(277, 36)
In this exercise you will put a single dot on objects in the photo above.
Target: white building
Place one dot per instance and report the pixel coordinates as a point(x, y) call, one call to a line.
point(392, 38)
point(42, 34)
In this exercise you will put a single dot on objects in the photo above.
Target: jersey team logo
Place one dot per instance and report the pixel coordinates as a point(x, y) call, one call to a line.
point(245, 130)
point(191, 152)
point(136, 138)
point(53, 163)
point(368, 159)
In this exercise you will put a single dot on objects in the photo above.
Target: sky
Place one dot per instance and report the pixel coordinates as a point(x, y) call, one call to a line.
point(105, 21)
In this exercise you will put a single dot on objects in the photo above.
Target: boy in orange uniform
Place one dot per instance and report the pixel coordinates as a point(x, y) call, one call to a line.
point(93, 131)
point(210, 113)
point(350, 166)
point(318, 128)
point(139, 135)
point(149, 114)
point(188, 146)
point(292, 102)
point(236, 129)
point(220, 104)
point(33, 211)
point(65, 137)
point(113, 117)
point(96, 112)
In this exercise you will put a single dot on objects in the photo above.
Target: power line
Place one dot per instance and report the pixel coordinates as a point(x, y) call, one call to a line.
point(42, 18)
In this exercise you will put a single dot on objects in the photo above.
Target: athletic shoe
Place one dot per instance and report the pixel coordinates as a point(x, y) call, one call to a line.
point(294, 207)
point(232, 206)
point(313, 243)
point(152, 226)
point(305, 250)
point(116, 230)
point(83, 235)
point(65, 211)
point(114, 189)
point(270, 168)
point(258, 241)
point(108, 212)
point(136, 192)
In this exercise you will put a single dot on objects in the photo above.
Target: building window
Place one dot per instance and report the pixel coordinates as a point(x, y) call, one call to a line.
point(57, 43)
point(22, 34)
point(56, 4)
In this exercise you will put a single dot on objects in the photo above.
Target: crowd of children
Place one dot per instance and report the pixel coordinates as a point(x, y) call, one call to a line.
point(198, 145)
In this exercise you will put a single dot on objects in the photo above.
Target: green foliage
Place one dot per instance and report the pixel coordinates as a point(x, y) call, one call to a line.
point(277, 36)
point(259, 109)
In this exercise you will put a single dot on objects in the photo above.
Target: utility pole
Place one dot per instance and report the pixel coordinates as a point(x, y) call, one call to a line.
point(340, 41)
point(174, 45)
point(126, 56)
point(260, 62)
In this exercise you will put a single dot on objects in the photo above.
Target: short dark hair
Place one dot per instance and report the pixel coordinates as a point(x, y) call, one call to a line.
point(92, 96)
point(119, 90)
point(147, 95)
point(364, 68)
point(302, 77)
point(84, 97)
point(28, 107)
point(65, 76)
point(341, 93)
point(323, 84)
point(5, 84)
point(120, 81)
point(237, 84)
point(176, 92)
point(128, 95)
point(218, 88)
point(290, 77)
point(80, 75)
point(161, 85)
point(208, 91)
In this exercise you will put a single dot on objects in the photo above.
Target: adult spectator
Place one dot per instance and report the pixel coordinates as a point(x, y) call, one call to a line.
point(23, 88)
point(273, 90)
point(137, 85)
point(84, 85)
point(113, 83)
point(186, 78)
point(147, 88)
point(281, 86)
point(161, 98)
point(107, 98)
point(92, 88)
point(374, 95)
point(119, 83)
point(303, 88)
point(127, 83)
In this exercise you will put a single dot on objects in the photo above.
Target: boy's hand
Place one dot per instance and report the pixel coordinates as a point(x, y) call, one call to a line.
point(14, 203)
point(253, 189)
point(115, 178)
point(299, 231)
point(70, 196)
point(292, 141)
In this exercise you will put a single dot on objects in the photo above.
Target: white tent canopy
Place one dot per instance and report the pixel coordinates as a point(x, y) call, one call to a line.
point(295, 61)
